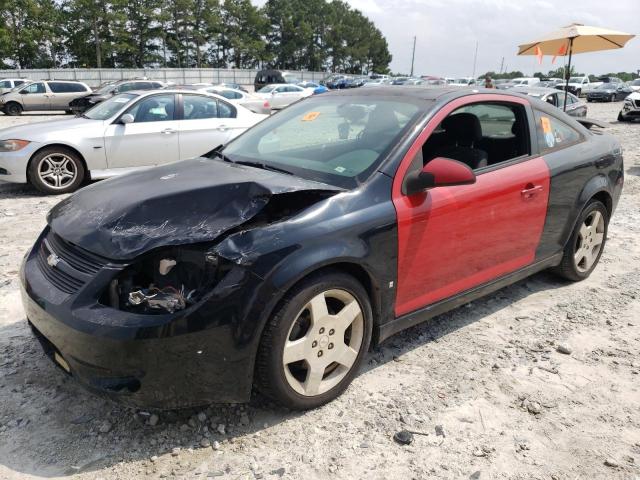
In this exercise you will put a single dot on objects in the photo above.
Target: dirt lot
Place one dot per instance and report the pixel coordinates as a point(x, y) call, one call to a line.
point(485, 384)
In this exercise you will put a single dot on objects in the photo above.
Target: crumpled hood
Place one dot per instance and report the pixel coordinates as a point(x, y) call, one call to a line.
point(181, 203)
point(37, 131)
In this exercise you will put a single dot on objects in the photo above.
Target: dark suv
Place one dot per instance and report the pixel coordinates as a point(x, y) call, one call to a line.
point(108, 90)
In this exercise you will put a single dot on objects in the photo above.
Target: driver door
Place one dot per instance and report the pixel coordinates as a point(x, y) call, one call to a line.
point(454, 238)
point(151, 139)
point(36, 97)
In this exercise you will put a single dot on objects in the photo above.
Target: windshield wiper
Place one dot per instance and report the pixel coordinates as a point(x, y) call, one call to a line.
point(264, 166)
point(218, 153)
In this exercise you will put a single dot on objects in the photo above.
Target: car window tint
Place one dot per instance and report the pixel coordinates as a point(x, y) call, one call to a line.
point(18, 82)
point(5, 84)
point(156, 85)
point(281, 89)
point(125, 87)
point(35, 88)
point(502, 136)
point(554, 133)
point(197, 107)
point(62, 87)
point(226, 110)
point(157, 108)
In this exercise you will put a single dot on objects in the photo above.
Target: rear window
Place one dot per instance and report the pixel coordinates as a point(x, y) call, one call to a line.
point(553, 134)
point(66, 87)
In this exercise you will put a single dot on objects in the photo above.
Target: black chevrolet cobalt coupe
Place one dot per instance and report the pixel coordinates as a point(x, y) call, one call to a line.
point(277, 261)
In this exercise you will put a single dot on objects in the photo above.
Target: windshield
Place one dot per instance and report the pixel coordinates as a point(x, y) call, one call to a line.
point(575, 80)
point(267, 89)
point(636, 83)
point(339, 140)
point(109, 108)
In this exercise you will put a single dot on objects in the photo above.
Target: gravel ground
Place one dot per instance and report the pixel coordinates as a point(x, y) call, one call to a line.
point(487, 386)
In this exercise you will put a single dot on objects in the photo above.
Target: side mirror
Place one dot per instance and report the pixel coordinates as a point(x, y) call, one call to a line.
point(126, 118)
point(439, 172)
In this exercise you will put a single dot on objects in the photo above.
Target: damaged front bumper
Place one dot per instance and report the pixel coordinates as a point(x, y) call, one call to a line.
point(203, 354)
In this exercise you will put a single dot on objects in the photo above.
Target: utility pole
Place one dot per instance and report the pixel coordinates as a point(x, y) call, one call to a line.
point(501, 64)
point(413, 55)
point(475, 58)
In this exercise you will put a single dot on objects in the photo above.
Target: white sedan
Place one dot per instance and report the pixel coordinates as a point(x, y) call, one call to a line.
point(281, 95)
point(129, 131)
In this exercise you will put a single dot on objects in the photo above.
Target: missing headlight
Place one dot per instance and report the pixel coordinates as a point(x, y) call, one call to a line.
point(165, 282)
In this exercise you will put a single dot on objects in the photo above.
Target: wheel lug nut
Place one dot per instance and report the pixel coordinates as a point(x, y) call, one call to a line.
point(314, 344)
point(332, 331)
point(330, 346)
point(322, 330)
point(319, 353)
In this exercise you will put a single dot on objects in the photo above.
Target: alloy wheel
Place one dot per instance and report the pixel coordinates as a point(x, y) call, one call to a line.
point(589, 241)
point(57, 171)
point(323, 342)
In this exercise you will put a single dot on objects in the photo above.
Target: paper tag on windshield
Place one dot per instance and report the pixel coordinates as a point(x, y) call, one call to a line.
point(340, 169)
point(310, 117)
point(546, 124)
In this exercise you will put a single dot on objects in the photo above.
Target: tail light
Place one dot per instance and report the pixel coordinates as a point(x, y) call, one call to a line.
point(266, 104)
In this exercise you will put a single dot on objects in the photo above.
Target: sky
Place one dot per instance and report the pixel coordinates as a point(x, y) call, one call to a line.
point(446, 33)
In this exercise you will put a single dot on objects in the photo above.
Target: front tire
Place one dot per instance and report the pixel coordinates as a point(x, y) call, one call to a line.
point(621, 118)
point(13, 109)
point(315, 342)
point(612, 98)
point(583, 251)
point(56, 170)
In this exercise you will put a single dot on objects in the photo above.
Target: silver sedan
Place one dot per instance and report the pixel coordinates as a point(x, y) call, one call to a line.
point(129, 131)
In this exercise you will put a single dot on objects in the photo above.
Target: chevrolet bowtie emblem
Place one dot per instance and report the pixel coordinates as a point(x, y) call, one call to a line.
point(53, 260)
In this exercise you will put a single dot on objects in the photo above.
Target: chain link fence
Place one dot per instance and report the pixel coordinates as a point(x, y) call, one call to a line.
point(95, 76)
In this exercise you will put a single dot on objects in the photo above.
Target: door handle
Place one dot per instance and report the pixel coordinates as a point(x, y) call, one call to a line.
point(531, 190)
point(223, 128)
point(168, 131)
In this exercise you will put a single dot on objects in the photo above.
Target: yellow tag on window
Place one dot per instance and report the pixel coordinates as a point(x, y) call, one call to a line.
point(310, 117)
point(546, 124)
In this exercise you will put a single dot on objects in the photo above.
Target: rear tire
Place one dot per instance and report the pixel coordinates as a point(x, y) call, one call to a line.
point(13, 109)
point(586, 244)
point(56, 170)
point(315, 342)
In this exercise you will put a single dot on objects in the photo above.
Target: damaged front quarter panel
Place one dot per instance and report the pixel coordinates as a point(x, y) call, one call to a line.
point(188, 202)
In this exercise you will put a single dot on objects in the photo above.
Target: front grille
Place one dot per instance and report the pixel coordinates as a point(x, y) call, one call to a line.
point(76, 257)
point(637, 102)
point(79, 265)
point(59, 279)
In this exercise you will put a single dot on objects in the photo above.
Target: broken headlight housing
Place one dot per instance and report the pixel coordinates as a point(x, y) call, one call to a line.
point(165, 281)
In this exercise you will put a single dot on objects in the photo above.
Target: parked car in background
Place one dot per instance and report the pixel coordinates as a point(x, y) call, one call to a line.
point(610, 80)
point(277, 261)
point(463, 82)
point(550, 82)
point(503, 83)
point(234, 86)
point(107, 91)
point(376, 82)
point(575, 107)
point(239, 97)
point(630, 108)
point(269, 77)
point(131, 130)
point(634, 85)
point(578, 85)
point(42, 96)
point(316, 87)
point(8, 84)
point(609, 92)
point(338, 82)
point(526, 81)
point(282, 95)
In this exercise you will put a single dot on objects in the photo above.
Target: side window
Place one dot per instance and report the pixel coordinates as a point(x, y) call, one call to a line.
point(554, 134)
point(197, 107)
point(5, 84)
point(156, 85)
point(281, 89)
point(35, 88)
point(63, 87)
point(143, 86)
point(18, 82)
point(157, 108)
point(481, 135)
point(226, 110)
point(125, 87)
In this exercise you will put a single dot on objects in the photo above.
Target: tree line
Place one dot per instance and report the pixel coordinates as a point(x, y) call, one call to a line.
point(317, 35)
